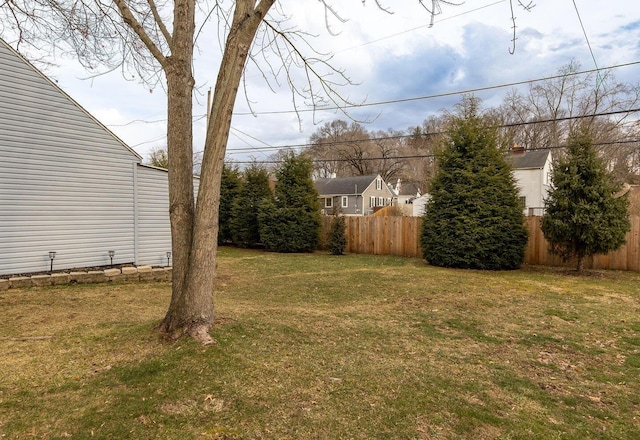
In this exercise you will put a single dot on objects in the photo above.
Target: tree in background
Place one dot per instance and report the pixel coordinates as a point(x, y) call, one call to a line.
point(583, 215)
point(291, 221)
point(337, 239)
point(229, 190)
point(474, 219)
point(254, 188)
point(158, 158)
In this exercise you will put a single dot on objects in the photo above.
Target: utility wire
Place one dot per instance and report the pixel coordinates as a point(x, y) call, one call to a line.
point(593, 57)
point(431, 155)
point(401, 100)
point(406, 136)
point(438, 95)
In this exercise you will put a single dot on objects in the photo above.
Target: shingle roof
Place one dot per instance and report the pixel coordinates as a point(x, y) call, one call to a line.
point(409, 189)
point(344, 185)
point(532, 159)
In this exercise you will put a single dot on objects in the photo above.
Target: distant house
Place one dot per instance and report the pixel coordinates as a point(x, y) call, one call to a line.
point(405, 192)
point(359, 195)
point(532, 171)
point(68, 185)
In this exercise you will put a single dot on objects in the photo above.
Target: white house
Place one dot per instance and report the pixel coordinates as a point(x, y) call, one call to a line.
point(68, 185)
point(532, 172)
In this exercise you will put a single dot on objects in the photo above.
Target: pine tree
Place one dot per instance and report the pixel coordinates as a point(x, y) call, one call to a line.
point(473, 218)
point(583, 217)
point(229, 189)
point(337, 239)
point(291, 222)
point(254, 189)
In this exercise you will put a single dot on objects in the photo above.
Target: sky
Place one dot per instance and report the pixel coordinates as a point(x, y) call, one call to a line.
point(387, 57)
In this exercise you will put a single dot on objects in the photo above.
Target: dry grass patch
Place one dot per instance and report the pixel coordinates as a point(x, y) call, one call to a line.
point(316, 346)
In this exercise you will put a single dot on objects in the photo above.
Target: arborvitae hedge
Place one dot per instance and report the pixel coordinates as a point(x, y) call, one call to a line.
point(291, 222)
point(254, 189)
point(229, 189)
point(474, 218)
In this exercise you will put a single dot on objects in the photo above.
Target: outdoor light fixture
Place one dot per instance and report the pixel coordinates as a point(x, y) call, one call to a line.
point(52, 255)
point(111, 255)
point(168, 258)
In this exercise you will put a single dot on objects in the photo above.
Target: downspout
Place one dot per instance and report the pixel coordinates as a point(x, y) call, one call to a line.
point(135, 213)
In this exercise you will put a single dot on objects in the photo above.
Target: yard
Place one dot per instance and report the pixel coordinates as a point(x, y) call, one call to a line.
point(322, 347)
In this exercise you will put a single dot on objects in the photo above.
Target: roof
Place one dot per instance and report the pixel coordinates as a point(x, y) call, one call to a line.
point(530, 159)
point(344, 185)
point(409, 189)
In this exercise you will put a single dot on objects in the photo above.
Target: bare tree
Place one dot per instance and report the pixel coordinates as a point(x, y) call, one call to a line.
point(158, 157)
point(155, 40)
point(386, 149)
point(544, 117)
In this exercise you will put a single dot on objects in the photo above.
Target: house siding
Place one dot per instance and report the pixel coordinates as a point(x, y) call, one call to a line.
point(534, 185)
point(154, 226)
point(66, 182)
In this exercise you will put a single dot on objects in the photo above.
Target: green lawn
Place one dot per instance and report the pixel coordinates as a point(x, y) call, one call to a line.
point(324, 347)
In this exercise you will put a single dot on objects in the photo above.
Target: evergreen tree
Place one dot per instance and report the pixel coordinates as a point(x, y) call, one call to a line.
point(473, 218)
point(254, 188)
point(583, 217)
point(337, 239)
point(229, 189)
point(291, 222)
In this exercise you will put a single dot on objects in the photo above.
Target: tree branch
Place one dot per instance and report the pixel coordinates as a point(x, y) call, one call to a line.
point(139, 30)
point(159, 22)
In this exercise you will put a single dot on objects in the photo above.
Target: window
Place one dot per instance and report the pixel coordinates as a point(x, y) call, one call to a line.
point(328, 202)
point(378, 184)
point(523, 202)
point(345, 201)
point(372, 202)
point(380, 201)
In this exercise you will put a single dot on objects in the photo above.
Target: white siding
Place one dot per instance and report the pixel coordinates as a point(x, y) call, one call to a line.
point(533, 185)
point(154, 227)
point(66, 182)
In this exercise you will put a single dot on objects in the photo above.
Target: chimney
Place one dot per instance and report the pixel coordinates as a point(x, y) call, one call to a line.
point(398, 186)
point(517, 149)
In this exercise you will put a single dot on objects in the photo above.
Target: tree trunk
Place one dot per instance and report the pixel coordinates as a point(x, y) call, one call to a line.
point(580, 266)
point(180, 151)
point(191, 309)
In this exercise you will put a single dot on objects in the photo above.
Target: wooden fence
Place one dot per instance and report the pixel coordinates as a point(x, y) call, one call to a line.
point(400, 236)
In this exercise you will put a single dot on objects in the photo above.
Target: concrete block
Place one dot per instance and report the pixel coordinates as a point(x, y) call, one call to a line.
point(113, 274)
point(40, 280)
point(59, 278)
point(73, 276)
point(161, 274)
point(145, 273)
point(130, 274)
point(4, 285)
point(20, 282)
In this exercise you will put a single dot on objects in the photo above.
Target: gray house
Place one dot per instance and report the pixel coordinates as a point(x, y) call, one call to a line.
point(68, 185)
point(358, 195)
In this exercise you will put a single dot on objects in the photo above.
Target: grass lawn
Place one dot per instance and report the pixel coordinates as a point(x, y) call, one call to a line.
point(324, 347)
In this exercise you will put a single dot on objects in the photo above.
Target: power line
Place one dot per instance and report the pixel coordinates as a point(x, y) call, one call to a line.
point(438, 95)
point(593, 57)
point(406, 136)
point(401, 100)
point(431, 155)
